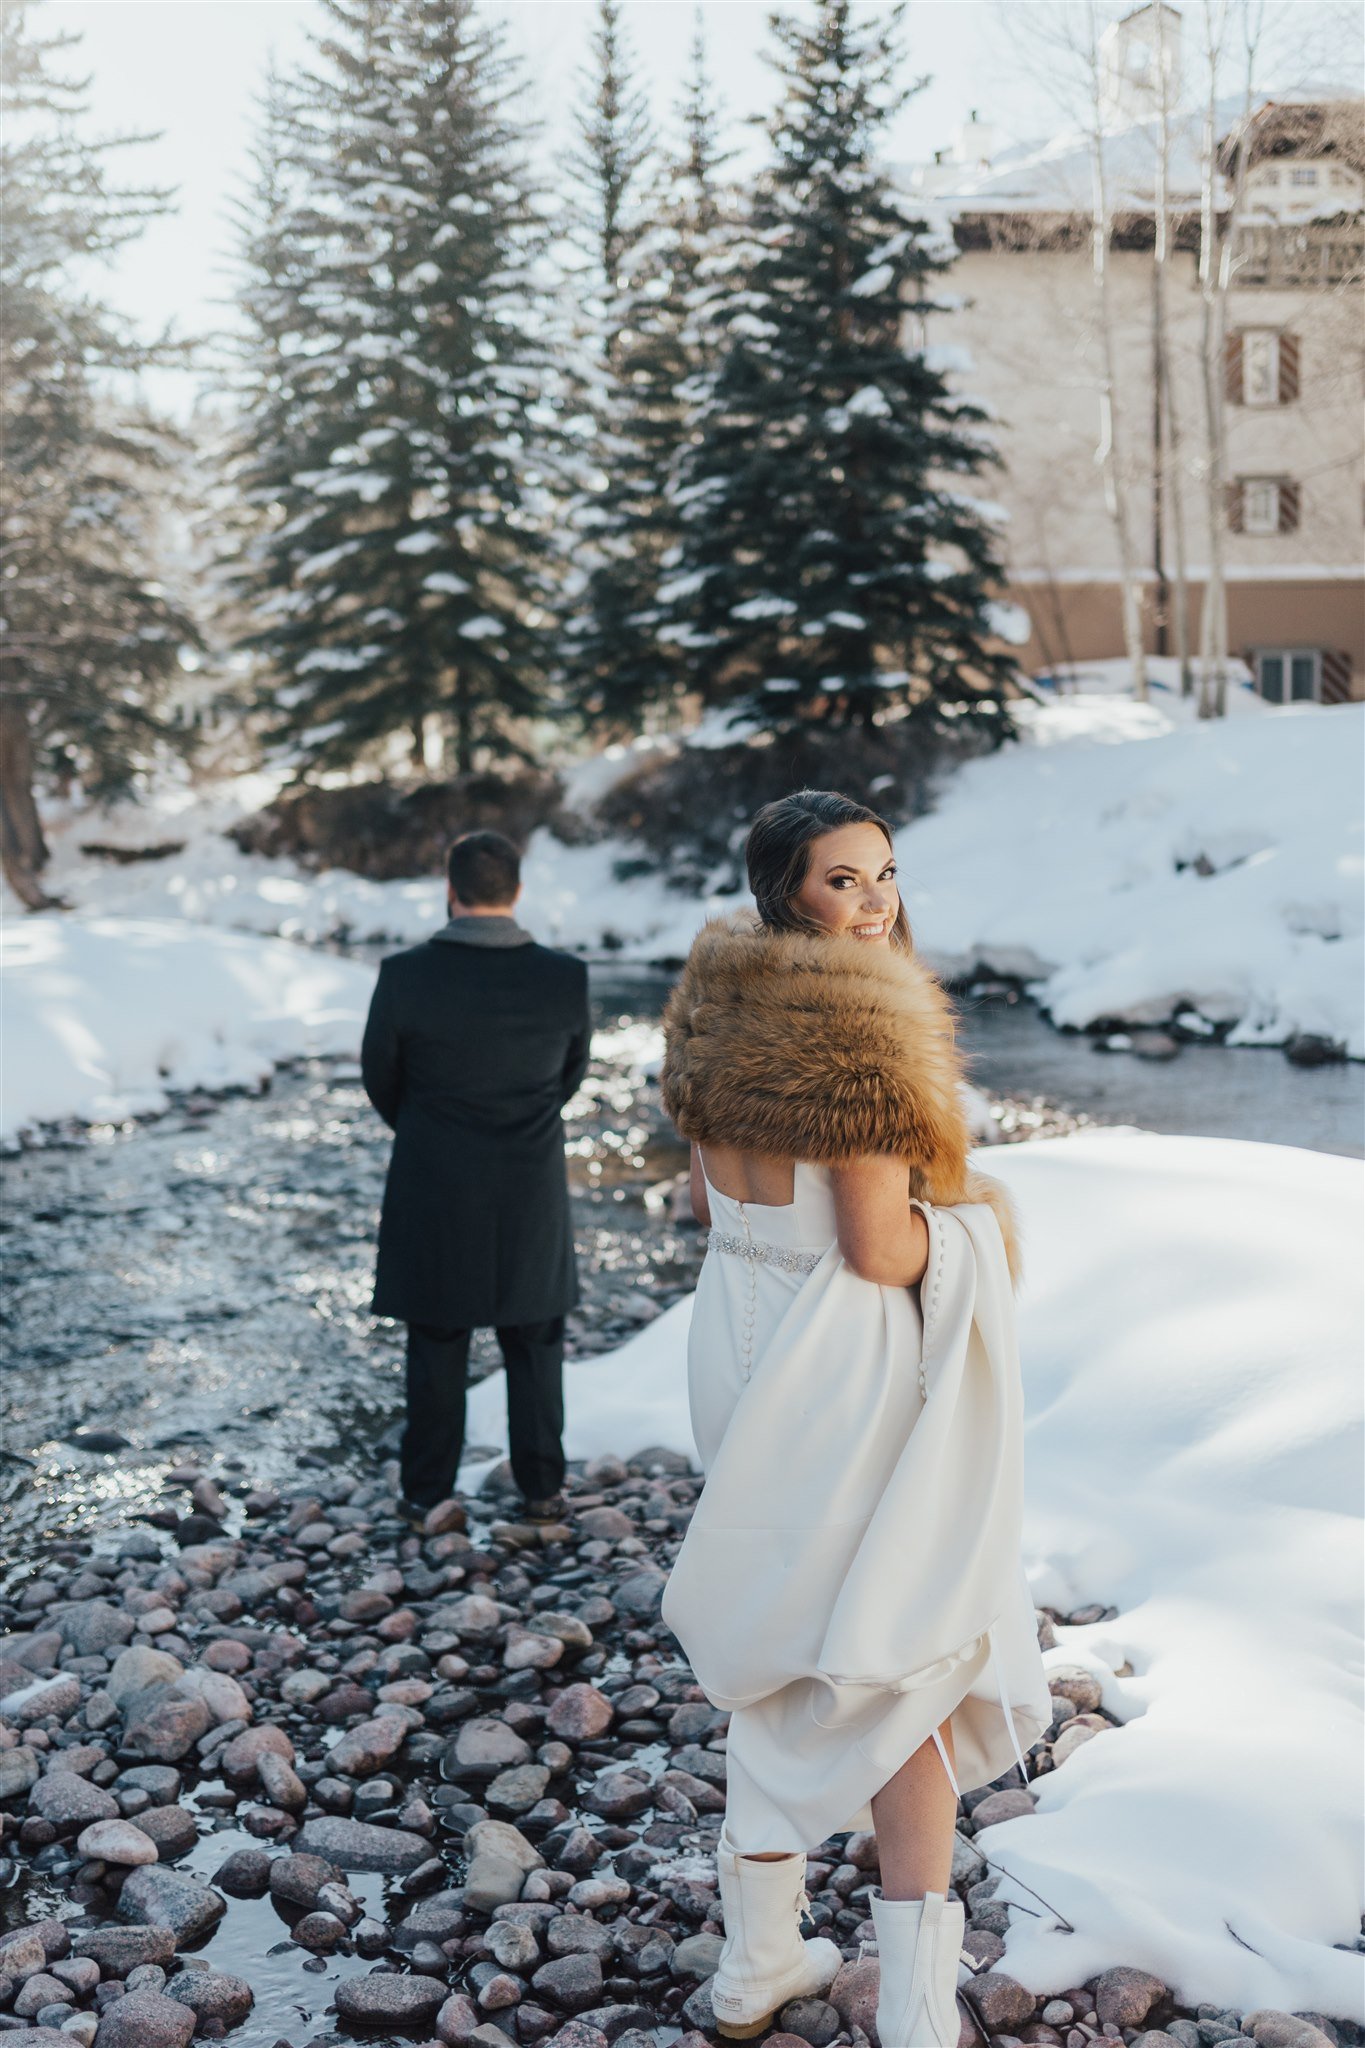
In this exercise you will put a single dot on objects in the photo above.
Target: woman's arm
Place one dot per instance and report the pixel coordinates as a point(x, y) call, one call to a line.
point(701, 1208)
point(881, 1237)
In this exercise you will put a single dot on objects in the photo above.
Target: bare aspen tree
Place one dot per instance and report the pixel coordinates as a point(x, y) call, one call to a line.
point(1112, 445)
point(1169, 477)
point(1217, 231)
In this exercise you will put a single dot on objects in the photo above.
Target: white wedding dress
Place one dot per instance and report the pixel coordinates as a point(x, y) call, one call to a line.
point(852, 1576)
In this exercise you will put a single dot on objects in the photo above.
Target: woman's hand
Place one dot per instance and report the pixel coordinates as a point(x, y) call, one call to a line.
point(881, 1237)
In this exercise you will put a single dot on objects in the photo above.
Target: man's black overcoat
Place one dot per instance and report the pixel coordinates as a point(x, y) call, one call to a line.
point(470, 1053)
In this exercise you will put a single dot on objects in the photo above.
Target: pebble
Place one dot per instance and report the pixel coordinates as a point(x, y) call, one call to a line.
point(145, 2019)
point(1127, 1996)
point(212, 1995)
point(484, 1693)
point(116, 1841)
point(358, 1845)
point(999, 2001)
point(387, 2000)
point(70, 1802)
point(159, 1897)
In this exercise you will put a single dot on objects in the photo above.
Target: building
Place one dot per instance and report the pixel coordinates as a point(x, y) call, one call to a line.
point(1026, 332)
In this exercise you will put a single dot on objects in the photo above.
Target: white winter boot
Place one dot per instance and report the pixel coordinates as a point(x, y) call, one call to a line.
point(765, 1962)
point(918, 1943)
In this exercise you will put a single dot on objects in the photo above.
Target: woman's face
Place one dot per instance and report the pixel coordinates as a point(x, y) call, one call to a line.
point(850, 886)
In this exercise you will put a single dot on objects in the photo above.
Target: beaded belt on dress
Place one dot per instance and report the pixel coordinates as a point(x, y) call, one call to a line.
point(785, 1257)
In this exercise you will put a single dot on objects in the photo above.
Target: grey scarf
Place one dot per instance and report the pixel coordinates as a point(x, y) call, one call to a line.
point(493, 930)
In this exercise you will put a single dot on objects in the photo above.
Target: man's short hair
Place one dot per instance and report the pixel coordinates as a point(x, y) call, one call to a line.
point(483, 868)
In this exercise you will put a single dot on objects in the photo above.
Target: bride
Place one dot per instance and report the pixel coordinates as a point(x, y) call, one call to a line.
point(850, 1587)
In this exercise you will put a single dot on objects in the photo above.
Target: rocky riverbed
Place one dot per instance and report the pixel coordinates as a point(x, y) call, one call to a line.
point(276, 1769)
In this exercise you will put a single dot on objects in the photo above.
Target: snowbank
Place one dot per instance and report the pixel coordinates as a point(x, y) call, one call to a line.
point(103, 1016)
point(1191, 1335)
point(1130, 863)
point(1125, 859)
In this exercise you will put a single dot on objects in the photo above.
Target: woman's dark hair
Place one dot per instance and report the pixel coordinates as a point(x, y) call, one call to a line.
point(777, 855)
point(483, 869)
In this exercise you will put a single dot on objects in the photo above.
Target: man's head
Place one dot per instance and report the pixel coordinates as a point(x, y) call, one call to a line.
point(483, 875)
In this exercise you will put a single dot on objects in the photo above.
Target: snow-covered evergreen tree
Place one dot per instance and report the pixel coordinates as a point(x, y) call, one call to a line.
point(829, 564)
point(619, 669)
point(91, 638)
point(396, 271)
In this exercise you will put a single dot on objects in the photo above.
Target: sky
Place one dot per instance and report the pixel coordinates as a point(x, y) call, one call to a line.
point(186, 73)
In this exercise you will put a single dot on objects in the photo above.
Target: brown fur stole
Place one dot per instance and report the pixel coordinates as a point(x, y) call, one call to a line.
point(805, 1046)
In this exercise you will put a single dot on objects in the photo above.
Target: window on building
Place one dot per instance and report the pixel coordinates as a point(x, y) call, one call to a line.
point(1260, 367)
point(1304, 174)
point(1268, 174)
point(1289, 675)
point(1263, 504)
point(1260, 506)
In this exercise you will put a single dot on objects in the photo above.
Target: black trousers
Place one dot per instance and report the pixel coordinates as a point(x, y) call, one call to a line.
point(433, 1435)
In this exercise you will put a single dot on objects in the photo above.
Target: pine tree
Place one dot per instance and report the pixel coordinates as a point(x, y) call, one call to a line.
point(399, 566)
point(620, 671)
point(91, 639)
point(829, 566)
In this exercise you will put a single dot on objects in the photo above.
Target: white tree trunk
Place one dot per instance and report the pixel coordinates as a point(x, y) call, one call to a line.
point(1111, 449)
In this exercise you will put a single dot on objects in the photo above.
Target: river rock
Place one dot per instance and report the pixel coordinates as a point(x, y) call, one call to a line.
point(456, 2020)
point(359, 1845)
point(296, 1880)
point(1273, 2029)
point(579, 1713)
point(239, 1756)
point(641, 1595)
point(117, 1841)
point(37, 2037)
point(211, 1995)
point(321, 1932)
point(159, 1897)
point(173, 1829)
point(484, 1747)
point(94, 1627)
point(813, 2020)
point(1127, 1996)
point(145, 2019)
point(607, 1523)
point(56, 1696)
point(853, 1994)
point(160, 1782)
point(572, 1983)
point(1011, 1804)
point(38, 1991)
point(385, 1999)
point(218, 1690)
point(71, 1802)
point(517, 1791)
point(697, 1956)
point(618, 1795)
point(492, 1881)
point(1073, 1682)
point(368, 1747)
point(245, 1873)
point(165, 1728)
point(1000, 2002)
point(138, 1670)
point(19, 1771)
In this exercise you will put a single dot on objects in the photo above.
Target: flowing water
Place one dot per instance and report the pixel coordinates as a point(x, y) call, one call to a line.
point(199, 1283)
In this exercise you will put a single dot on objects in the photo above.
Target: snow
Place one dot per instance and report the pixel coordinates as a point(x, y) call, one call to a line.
point(103, 1016)
point(1072, 858)
point(1193, 1457)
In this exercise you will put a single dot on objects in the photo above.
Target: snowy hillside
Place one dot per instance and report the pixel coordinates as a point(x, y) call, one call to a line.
point(1193, 1456)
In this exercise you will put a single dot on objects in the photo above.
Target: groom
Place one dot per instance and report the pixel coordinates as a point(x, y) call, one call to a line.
point(475, 1041)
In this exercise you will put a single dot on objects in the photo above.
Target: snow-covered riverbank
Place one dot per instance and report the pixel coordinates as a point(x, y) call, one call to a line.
point(1127, 860)
point(1191, 1334)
